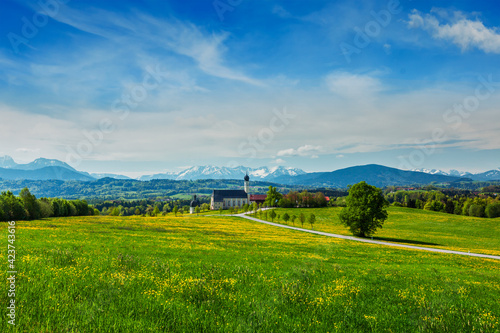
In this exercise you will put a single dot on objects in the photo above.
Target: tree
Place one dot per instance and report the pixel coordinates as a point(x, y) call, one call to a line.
point(220, 210)
point(115, 211)
point(293, 219)
point(312, 219)
point(30, 204)
point(273, 197)
point(365, 211)
point(156, 211)
point(254, 208)
point(12, 207)
point(286, 217)
point(46, 208)
point(302, 219)
point(197, 210)
point(493, 210)
point(477, 210)
point(137, 211)
point(272, 215)
point(176, 210)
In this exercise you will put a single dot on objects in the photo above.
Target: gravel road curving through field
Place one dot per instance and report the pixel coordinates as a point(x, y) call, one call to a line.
point(243, 215)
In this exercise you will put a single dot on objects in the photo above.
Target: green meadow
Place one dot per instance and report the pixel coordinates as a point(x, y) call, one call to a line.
point(415, 227)
point(227, 274)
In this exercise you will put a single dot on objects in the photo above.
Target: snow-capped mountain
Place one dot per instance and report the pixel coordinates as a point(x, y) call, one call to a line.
point(432, 171)
point(488, 175)
point(215, 172)
point(483, 176)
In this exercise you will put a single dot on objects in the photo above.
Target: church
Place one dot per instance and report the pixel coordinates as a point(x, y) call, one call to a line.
point(235, 198)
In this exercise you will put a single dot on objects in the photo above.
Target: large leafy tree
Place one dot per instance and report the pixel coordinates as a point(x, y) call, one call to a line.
point(365, 211)
point(273, 197)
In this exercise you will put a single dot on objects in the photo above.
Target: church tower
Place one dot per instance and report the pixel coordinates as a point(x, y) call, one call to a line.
point(247, 183)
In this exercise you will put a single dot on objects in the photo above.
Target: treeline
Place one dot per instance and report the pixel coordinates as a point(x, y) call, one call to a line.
point(27, 207)
point(451, 201)
point(148, 207)
point(293, 199)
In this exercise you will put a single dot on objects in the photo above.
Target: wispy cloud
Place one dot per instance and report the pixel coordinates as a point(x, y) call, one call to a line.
point(145, 32)
point(353, 85)
point(458, 29)
point(303, 151)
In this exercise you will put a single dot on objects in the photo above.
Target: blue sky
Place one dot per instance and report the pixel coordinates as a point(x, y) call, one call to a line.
point(137, 87)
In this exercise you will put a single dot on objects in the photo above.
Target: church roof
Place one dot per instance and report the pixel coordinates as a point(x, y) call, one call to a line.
point(246, 177)
point(220, 195)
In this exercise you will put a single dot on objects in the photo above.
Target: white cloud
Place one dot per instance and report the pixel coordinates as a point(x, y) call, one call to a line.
point(461, 31)
point(353, 85)
point(303, 151)
point(279, 161)
point(28, 150)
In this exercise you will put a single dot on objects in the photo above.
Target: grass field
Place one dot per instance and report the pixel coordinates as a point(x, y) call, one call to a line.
point(416, 227)
point(226, 274)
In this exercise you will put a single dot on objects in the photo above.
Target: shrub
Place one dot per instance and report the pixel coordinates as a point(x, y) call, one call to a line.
point(476, 210)
point(493, 210)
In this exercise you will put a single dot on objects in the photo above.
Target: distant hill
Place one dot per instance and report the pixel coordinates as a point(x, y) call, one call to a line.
point(8, 163)
point(110, 189)
point(486, 176)
point(373, 174)
point(108, 175)
point(46, 169)
point(45, 173)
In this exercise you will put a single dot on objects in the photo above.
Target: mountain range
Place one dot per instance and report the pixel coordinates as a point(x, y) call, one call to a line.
point(378, 175)
point(215, 172)
point(482, 176)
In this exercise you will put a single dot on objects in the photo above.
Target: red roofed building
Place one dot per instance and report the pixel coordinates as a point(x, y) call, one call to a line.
point(258, 198)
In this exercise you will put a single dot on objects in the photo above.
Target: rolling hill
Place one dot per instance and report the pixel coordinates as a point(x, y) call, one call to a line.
point(373, 174)
point(45, 173)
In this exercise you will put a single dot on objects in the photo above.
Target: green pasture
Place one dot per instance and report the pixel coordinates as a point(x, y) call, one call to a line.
point(227, 274)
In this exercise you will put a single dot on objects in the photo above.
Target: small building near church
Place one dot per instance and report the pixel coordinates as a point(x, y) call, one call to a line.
point(258, 198)
point(192, 206)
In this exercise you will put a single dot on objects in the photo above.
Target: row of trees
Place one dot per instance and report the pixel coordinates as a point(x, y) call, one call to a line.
point(452, 202)
point(27, 207)
point(149, 207)
point(294, 199)
point(286, 217)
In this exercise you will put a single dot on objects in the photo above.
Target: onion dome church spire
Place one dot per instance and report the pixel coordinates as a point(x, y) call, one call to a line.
point(247, 183)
